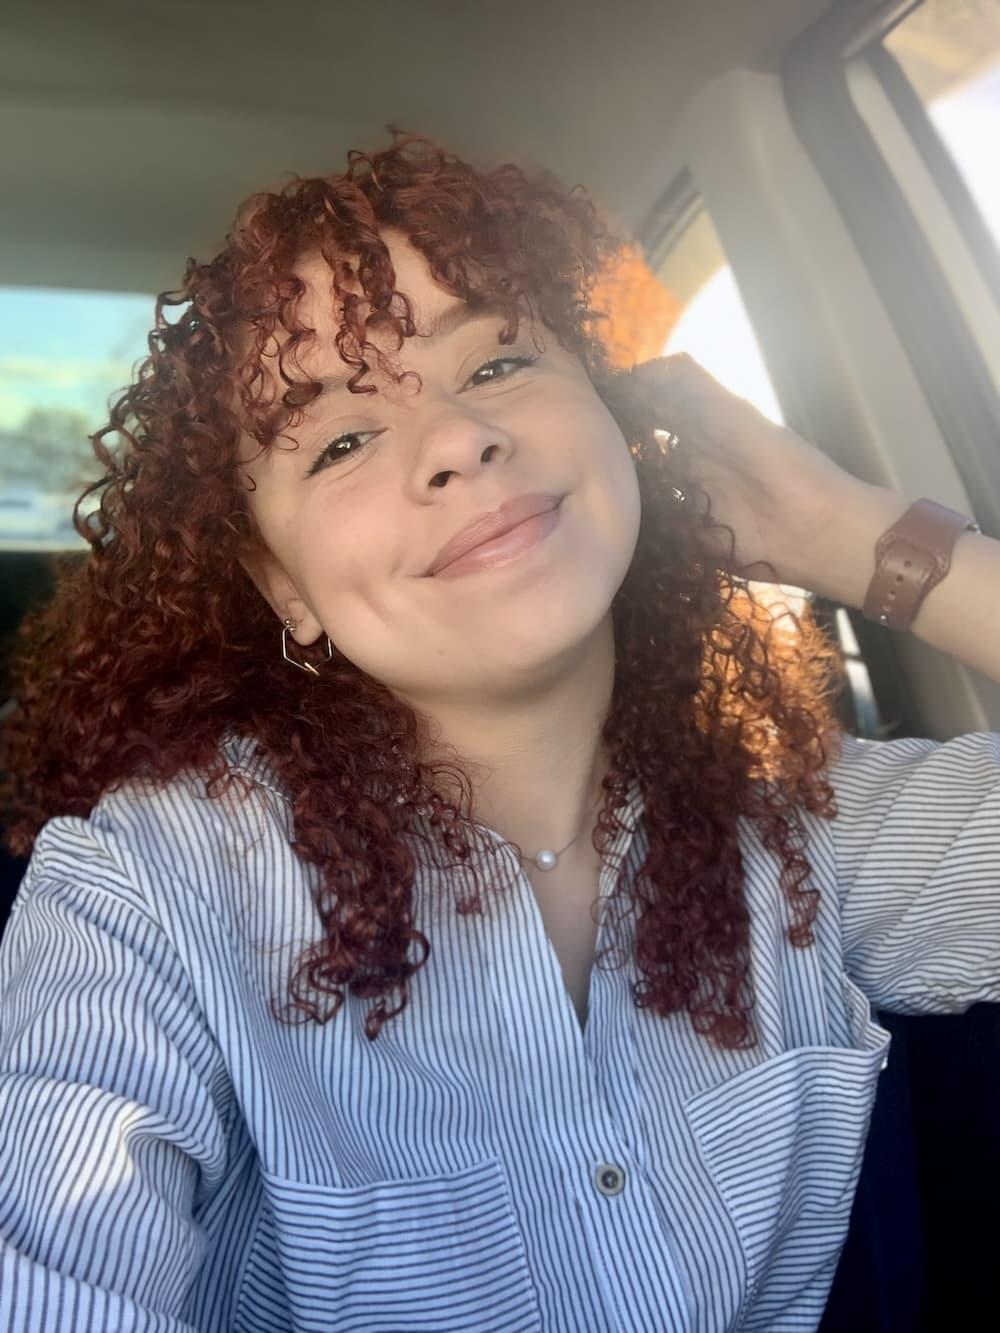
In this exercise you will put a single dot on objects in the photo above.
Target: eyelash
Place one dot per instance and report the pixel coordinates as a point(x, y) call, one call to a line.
point(327, 457)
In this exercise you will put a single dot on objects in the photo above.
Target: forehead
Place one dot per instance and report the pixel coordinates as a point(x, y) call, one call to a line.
point(319, 308)
point(436, 312)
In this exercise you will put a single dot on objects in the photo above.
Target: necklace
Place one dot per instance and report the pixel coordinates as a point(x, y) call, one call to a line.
point(547, 858)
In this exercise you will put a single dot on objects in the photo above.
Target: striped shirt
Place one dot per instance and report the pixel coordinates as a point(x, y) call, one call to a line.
point(175, 1158)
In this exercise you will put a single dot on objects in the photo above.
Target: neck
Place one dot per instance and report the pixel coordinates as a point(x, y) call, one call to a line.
point(537, 764)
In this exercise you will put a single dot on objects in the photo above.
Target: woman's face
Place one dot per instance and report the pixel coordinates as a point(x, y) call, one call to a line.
point(355, 513)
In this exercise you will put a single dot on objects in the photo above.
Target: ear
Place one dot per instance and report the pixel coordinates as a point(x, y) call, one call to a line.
point(276, 586)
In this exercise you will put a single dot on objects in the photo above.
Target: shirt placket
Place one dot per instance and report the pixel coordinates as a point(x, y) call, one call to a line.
point(592, 1137)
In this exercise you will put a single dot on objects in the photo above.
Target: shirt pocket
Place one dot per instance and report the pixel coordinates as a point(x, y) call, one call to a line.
point(430, 1253)
point(783, 1142)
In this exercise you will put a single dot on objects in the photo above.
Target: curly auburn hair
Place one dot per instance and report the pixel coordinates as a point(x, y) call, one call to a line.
point(157, 645)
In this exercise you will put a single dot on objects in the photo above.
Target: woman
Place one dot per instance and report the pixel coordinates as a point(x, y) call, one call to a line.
point(333, 806)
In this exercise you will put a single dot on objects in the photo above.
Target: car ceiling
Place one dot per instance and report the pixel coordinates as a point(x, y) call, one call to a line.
point(130, 131)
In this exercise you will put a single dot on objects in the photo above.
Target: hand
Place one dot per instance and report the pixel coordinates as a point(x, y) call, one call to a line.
point(777, 492)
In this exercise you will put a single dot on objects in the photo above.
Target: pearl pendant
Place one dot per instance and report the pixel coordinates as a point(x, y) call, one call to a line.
point(545, 860)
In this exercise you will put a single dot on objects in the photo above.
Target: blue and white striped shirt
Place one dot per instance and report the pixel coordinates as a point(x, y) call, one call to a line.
point(175, 1158)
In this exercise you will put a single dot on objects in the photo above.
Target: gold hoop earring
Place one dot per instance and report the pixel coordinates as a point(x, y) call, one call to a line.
point(287, 626)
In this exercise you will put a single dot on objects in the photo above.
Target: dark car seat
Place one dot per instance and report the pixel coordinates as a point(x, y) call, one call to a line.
point(28, 578)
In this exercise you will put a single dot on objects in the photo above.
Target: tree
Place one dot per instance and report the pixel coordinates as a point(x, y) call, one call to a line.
point(49, 449)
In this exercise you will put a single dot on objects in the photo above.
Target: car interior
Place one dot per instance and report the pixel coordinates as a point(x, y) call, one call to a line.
point(813, 191)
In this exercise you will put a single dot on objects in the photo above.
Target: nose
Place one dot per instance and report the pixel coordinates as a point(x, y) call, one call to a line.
point(459, 441)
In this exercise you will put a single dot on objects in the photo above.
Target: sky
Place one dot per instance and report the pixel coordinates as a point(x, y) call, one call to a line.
point(68, 349)
point(969, 122)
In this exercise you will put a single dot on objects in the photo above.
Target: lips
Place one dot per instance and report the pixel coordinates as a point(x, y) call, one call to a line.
point(492, 524)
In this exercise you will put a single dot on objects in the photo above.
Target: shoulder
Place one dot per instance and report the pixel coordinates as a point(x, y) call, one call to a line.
point(188, 832)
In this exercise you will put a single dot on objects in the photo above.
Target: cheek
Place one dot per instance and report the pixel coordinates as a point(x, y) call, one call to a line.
point(605, 449)
point(344, 554)
point(615, 482)
point(621, 466)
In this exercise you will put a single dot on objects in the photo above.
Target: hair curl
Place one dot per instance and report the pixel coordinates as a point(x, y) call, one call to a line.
point(157, 644)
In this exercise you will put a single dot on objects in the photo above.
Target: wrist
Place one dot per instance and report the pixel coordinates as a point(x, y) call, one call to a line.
point(840, 564)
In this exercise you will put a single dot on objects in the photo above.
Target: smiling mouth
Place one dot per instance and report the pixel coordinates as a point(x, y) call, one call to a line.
point(505, 549)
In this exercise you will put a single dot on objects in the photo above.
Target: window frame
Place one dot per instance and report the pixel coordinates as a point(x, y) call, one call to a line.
point(934, 151)
point(911, 284)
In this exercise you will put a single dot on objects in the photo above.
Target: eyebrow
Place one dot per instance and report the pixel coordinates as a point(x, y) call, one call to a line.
point(443, 324)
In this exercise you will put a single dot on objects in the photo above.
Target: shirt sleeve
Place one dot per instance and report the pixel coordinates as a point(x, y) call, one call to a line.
point(111, 1111)
point(917, 847)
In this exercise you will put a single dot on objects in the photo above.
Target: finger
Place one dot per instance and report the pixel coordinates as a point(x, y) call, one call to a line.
point(679, 375)
point(674, 385)
point(676, 366)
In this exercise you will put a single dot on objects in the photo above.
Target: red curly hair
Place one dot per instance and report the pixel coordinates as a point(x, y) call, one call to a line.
point(157, 644)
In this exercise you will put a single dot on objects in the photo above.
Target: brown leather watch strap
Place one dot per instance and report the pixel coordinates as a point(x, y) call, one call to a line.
point(911, 558)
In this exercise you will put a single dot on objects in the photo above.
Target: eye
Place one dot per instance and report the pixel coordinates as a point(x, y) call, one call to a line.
point(516, 361)
point(340, 448)
point(352, 442)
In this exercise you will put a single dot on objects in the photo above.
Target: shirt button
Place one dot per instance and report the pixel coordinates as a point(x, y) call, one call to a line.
point(609, 1178)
